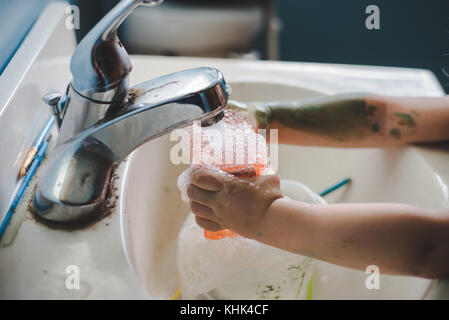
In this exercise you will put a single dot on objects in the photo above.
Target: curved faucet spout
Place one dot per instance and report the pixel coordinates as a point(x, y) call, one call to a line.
point(161, 105)
point(74, 183)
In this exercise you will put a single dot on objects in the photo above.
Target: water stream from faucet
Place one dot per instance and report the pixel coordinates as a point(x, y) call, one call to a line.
point(231, 145)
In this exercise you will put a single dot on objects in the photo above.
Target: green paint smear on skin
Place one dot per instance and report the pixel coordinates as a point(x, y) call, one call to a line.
point(395, 132)
point(375, 127)
point(405, 119)
point(342, 117)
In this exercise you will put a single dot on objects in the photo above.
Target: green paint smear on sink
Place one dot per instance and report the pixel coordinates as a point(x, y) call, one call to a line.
point(310, 289)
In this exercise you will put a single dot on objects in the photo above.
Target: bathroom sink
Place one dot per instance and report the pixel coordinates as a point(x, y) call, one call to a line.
point(149, 214)
point(152, 213)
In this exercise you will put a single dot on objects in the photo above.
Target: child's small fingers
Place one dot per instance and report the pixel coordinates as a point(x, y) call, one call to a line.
point(202, 211)
point(200, 195)
point(207, 224)
point(207, 181)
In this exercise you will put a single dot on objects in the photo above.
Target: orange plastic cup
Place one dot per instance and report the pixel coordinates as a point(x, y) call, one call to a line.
point(244, 172)
point(240, 170)
point(217, 235)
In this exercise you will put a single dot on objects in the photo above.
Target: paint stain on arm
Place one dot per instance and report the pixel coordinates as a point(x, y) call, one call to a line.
point(342, 118)
point(405, 119)
point(396, 133)
point(375, 128)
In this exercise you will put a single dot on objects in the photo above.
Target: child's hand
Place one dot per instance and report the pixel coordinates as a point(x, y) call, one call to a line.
point(222, 201)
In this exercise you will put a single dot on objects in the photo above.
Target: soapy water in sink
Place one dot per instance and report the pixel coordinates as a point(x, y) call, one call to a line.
point(240, 268)
point(230, 266)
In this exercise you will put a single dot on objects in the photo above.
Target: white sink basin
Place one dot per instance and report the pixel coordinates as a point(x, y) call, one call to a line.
point(152, 212)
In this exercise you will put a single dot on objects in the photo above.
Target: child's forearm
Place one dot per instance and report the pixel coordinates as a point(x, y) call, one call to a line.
point(350, 120)
point(399, 239)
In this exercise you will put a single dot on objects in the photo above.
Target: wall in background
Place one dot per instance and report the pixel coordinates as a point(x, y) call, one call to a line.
point(413, 33)
point(91, 11)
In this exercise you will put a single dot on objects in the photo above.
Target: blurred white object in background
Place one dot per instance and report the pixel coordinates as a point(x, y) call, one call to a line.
point(193, 29)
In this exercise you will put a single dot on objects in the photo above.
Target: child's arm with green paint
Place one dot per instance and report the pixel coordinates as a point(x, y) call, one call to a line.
point(398, 238)
point(355, 120)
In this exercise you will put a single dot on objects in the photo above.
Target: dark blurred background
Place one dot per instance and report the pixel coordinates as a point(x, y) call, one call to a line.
point(413, 33)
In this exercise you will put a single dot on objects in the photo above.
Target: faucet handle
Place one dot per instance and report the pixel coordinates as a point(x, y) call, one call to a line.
point(100, 64)
point(53, 99)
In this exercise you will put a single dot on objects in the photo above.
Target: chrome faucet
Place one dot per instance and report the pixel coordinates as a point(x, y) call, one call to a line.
point(102, 120)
